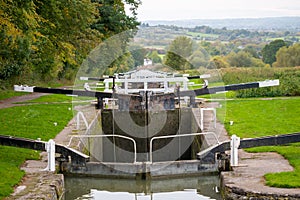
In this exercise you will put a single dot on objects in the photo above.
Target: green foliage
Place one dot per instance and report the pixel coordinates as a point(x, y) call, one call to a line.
point(217, 47)
point(243, 59)
point(179, 51)
point(218, 62)
point(288, 56)
point(112, 17)
point(288, 77)
point(46, 40)
point(155, 57)
point(199, 58)
point(138, 53)
point(270, 50)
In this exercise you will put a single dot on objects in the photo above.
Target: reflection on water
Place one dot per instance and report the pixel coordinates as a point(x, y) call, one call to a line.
point(200, 188)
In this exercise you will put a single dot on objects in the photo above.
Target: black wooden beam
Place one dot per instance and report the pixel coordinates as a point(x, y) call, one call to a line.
point(214, 90)
point(77, 158)
point(81, 93)
point(252, 142)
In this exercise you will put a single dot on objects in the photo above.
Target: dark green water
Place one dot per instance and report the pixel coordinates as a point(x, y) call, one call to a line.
point(195, 188)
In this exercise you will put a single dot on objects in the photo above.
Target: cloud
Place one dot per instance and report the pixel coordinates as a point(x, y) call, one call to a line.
point(188, 9)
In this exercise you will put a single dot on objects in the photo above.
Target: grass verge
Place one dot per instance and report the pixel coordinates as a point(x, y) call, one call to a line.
point(5, 94)
point(32, 121)
point(256, 118)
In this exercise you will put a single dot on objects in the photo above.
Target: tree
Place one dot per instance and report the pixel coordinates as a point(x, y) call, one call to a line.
point(49, 39)
point(288, 56)
point(200, 58)
point(243, 59)
point(16, 36)
point(218, 62)
point(155, 57)
point(179, 51)
point(269, 51)
point(252, 49)
point(138, 53)
point(112, 18)
point(240, 59)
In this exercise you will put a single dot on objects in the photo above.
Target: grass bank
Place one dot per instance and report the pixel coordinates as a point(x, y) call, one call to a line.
point(43, 121)
point(263, 117)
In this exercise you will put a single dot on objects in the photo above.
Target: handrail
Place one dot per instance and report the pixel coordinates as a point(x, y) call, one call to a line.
point(175, 136)
point(100, 136)
point(84, 120)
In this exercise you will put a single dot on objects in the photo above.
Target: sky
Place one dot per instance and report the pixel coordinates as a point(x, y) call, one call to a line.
point(216, 9)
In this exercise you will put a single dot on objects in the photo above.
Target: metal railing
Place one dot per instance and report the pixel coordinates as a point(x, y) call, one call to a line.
point(177, 136)
point(80, 114)
point(101, 136)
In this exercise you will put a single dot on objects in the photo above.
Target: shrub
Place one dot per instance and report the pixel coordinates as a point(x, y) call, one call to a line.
point(289, 80)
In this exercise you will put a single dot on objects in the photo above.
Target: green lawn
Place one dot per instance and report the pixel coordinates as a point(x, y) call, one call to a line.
point(256, 118)
point(32, 121)
point(51, 98)
point(11, 159)
point(5, 94)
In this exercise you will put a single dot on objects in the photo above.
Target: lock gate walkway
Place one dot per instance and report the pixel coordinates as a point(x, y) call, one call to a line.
point(77, 158)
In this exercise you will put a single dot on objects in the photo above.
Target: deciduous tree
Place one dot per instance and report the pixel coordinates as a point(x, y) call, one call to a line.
point(178, 53)
point(288, 56)
point(269, 51)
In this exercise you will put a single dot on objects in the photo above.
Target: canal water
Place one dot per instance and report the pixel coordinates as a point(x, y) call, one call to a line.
point(195, 188)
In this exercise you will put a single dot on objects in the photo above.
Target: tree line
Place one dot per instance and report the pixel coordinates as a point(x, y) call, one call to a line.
point(183, 53)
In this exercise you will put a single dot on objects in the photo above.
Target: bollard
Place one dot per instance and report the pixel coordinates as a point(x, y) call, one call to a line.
point(234, 145)
point(50, 148)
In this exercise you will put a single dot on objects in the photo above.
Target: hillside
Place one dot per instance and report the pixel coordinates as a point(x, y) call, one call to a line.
point(260, 24)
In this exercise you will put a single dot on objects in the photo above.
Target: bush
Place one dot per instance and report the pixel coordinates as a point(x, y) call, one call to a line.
point(289, 81)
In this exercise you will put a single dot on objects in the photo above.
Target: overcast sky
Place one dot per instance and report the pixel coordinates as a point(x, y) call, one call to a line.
point(216, 9)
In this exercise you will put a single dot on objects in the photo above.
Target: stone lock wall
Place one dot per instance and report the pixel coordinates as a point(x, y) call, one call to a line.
point(142, 126)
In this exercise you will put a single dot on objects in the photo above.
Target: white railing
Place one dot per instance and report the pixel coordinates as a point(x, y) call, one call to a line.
point(101, 136)
point(80, 114)
point(177, 136)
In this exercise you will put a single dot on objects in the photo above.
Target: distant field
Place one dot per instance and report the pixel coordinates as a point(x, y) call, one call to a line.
point(202, 35)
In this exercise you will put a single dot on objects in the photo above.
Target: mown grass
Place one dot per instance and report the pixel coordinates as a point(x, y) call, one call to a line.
point(256, 118)
point(11, 159)
point(35, 121)
point(5, 94)
point(52, 98)
point(32, 121)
